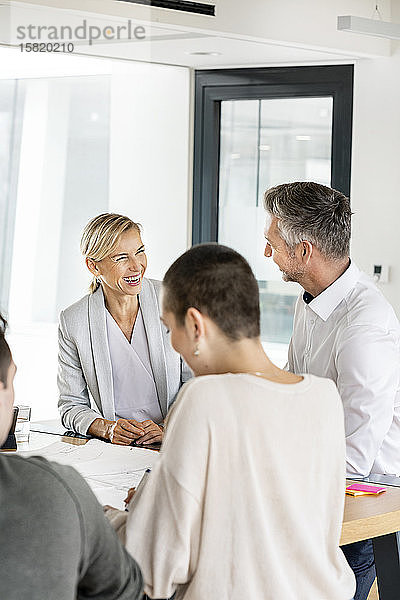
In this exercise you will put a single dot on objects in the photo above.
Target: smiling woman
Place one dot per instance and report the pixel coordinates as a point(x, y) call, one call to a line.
point(113, 349)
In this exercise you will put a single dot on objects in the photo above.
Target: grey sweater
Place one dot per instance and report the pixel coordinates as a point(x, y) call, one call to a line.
point(55, 542)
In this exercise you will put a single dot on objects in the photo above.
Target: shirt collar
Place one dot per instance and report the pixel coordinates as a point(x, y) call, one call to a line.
point(325, 303)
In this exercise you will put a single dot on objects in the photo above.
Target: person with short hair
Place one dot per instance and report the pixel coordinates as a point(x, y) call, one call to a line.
point(246, 499)
point(344, 329)
point(55, 541)
point(112, 347)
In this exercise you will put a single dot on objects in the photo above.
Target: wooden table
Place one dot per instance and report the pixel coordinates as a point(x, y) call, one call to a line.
point(377, 517)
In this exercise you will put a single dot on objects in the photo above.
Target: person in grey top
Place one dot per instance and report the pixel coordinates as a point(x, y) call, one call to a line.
point(55, 542)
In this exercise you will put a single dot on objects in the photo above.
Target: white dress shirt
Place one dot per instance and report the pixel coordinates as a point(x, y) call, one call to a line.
point(350, 334)
point(135, 394)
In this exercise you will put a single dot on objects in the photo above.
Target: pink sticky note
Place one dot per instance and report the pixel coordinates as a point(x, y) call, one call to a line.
point(364, 488)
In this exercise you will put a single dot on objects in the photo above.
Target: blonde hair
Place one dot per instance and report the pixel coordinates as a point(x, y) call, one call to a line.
point(101, 235)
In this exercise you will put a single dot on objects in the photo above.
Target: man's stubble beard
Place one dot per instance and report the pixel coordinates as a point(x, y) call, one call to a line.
point(295, 274)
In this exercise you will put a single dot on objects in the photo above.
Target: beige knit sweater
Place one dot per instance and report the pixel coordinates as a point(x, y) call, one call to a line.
point(247, 498)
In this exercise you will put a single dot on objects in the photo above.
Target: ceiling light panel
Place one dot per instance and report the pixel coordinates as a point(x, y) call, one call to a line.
point(373, 27)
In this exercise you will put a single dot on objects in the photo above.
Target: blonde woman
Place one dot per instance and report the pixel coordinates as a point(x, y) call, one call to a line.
point(113, 349)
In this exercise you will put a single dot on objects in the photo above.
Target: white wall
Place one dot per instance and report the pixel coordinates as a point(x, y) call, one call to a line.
point(149, 156)
point(375, 190)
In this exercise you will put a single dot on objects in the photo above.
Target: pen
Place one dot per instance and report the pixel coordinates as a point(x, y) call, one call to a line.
point(146, 471)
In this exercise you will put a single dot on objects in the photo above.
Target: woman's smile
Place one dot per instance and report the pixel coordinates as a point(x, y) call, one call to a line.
point(133, 280)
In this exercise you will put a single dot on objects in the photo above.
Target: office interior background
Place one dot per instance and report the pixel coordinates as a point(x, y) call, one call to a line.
point(111, 127)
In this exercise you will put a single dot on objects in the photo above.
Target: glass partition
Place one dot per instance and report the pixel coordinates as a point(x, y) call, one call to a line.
point(11, 101)
point(264, 143)
point(72, 147)
point(61, 181)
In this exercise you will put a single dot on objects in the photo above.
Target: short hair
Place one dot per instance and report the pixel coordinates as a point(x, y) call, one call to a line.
point(313, 212)
point(101, 235)
point(5, 352)
point(218, 282)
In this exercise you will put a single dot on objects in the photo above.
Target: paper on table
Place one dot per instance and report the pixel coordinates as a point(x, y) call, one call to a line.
point(113, 489)
point(63, 452)
point(98, 458)
point(109, 470)
point(110, 496)
point(121, 481)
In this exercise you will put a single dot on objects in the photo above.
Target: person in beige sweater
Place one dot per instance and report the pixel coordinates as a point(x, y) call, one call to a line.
point(246, 500)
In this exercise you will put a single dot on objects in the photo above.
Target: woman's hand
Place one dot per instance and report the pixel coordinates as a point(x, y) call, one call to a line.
point(117, 519)
point(153, 434)
point(125, 431)
point(131, 493)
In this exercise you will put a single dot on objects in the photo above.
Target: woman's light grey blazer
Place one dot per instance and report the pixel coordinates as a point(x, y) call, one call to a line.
point(84, 364)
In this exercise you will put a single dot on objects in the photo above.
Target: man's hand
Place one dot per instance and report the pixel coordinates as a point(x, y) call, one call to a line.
point(153, 434)
point(125, 431)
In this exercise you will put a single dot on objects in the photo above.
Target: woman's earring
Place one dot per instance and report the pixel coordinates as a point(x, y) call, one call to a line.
point(196, 352)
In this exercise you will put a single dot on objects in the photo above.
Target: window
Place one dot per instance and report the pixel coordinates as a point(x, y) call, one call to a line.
point(255, 129)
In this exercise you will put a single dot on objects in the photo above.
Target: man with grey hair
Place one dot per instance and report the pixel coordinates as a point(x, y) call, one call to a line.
point(344, 329)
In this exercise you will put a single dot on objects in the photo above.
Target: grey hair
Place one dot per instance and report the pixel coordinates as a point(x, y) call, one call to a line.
point(308, 211)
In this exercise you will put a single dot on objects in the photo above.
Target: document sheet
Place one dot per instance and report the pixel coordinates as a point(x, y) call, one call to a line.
point(110, 470)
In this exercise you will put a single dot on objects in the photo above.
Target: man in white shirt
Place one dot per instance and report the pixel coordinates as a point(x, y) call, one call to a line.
point(343, 329)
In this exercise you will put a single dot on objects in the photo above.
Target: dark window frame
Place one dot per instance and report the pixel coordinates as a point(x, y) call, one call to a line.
point(214, 86)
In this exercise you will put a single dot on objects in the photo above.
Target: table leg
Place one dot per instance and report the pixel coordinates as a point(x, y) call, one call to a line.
point(387, 562)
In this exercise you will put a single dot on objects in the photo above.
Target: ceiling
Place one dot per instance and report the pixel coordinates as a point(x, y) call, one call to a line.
point(162, 43)
point(206, 51)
